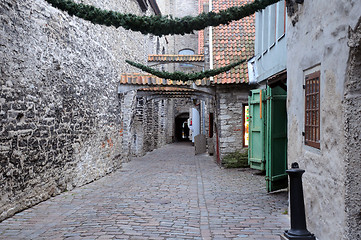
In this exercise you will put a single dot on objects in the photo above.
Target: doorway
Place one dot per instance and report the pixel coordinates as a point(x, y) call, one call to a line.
point(182, 128)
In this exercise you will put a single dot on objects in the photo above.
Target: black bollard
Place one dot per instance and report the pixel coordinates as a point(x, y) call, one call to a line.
point(298, 229)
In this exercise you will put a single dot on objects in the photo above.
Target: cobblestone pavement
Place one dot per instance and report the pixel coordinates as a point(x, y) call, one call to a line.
point(167, 194)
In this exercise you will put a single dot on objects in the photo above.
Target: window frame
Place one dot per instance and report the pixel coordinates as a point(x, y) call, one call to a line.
point(187, 51)
point(312, 110)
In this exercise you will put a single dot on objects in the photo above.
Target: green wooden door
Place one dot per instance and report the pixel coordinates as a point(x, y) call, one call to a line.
point(276, 139)
point(256, 151)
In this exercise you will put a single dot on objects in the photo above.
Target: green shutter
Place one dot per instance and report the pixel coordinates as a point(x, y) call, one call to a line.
point(256, 151)
point(276, 139)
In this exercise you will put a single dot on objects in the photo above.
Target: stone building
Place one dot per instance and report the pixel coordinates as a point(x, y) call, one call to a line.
point(218, 105)
point(227, 44)
point(323, 103)
point(155, 110)
point(161, 108)
point(61, 121)
point(179, 44)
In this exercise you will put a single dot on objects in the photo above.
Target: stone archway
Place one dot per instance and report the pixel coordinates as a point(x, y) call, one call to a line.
point(181, 127)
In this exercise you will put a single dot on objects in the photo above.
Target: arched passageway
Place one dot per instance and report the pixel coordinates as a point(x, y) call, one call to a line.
point(182, 128)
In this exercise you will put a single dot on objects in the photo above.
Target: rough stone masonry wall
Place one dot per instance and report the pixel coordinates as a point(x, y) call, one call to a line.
point(59, 112)
point(146, 122)
point(352, 111)
point(175, 43)
point(229, 114)
point(317, 35)
point(128, 105)
point(150, 123)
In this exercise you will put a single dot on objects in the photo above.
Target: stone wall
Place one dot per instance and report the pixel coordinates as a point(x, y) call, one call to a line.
point(60, 114)
point(317, 35)
point(149, 122)
point(229, 111)
point(128, 104)
point(352, 112)
point(180, 8)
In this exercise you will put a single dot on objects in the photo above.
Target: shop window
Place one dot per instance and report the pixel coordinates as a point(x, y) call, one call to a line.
point(245, 125)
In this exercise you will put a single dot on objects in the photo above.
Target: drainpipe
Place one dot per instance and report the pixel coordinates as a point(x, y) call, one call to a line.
point(211, 41)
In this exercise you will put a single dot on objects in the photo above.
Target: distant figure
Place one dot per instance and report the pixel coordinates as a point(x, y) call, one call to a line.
point(186, 130)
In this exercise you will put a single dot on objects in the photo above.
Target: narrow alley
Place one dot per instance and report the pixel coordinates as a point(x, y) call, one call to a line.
point(168, 194)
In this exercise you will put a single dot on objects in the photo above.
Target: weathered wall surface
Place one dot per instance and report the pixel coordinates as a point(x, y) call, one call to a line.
point(128, 103)
point(180, 8)
point(352, 112)
point(229, 112)
point(60, 114)
point(317, 38)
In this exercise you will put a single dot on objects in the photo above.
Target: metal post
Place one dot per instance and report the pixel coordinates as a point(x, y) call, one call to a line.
point(298, 229)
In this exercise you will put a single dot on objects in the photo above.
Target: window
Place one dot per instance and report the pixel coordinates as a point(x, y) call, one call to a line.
point(281, 23)
point(158, 46)
point(258, 41)
point(265, 26)
point(272, 24)
point(186, 52)
point(312, 109)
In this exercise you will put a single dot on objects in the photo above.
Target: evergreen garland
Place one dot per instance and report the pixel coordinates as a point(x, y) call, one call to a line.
point(185, 76)
point(159, 25)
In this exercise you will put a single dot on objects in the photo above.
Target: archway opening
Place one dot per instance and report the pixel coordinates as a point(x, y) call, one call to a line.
point(182, 128)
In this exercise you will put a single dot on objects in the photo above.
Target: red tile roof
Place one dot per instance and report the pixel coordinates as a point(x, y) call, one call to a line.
point(175, 58)
point(231, 43)
point(151, 80)
point(178, 92)
point(147, 79)
point(167, 89)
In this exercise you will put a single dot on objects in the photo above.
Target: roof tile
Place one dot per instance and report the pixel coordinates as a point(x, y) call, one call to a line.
point(231, 43)
point(176, 58)
point(148, 79)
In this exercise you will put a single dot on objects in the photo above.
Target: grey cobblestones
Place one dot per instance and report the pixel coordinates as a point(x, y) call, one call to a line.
point(168, 194)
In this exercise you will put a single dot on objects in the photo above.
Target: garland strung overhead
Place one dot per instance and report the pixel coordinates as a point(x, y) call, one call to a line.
point(159, 25)
point(185, 76)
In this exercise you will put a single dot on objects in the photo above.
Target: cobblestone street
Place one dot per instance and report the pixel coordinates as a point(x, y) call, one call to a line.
point(167, 194)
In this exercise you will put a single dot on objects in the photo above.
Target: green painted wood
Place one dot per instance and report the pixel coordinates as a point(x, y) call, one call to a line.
point(276, 139)
point(256, 151)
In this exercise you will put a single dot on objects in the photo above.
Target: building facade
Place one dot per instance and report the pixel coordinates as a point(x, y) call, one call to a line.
point(323, 104)
point(267, 102)
point(227, 44)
